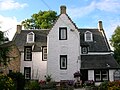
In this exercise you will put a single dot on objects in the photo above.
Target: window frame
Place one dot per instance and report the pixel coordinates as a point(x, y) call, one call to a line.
point(26, 53)
point(61, 58)
point(27, 68)
point(101, 75)
point(61, 36)
point(90, 35)
point(84, 50)
point(43, 54)
point(30, 36)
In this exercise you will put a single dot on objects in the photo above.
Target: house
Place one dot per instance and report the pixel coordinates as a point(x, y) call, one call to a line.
point(32, 45)
point(13, 58)
point(64, 50)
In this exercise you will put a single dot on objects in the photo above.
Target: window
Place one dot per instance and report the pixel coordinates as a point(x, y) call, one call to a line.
point(84, 50)
point(63, 61)
point(44, 53)
point(62, 33)
point(27, 72)
point(101, 75)
point(88, 36)
point(30, 37)
point(28, 53)
point(117, 75)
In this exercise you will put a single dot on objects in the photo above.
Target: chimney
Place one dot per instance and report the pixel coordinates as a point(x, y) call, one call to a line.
point(19, 28)
point(100, 26)
point(63, 9)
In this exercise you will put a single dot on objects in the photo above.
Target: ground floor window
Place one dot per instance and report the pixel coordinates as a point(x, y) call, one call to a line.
point(63, 61)
point(27, 72)
point(101, 75)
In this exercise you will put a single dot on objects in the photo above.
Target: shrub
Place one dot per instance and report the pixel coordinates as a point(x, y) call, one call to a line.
point(6, 83)
point(103, 85)
point(18, 79)
point(114, 85)
point(32, 85)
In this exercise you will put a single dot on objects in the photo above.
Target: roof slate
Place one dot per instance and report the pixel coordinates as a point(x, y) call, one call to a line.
point(98, 62)
point(40, 39)
point(99, 43)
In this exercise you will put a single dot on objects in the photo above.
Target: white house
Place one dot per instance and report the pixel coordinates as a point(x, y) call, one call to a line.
point(64, 50)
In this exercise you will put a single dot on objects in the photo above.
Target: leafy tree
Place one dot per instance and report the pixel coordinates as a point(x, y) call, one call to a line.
point(115, 42)
point(42, 19)
point(3, 50)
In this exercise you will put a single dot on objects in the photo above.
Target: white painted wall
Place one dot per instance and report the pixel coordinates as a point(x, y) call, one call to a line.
point(111, 73)
point(69, 47)
point(38, 67)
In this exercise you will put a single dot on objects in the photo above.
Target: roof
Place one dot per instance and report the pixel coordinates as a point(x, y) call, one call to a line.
point(98, 62)
point(40, 39)
point(99, 43)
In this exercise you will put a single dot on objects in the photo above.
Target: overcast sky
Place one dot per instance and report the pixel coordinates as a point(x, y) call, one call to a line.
point(84, 13)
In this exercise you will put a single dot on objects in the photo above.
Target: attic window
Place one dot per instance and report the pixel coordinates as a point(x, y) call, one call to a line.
point(88, 36)
point(30, 37)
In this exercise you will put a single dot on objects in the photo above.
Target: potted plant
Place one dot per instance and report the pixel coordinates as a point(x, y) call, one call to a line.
point(76, 74)
point(48, 78)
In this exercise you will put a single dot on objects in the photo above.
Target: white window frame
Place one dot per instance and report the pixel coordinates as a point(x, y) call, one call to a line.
point(44, 53)
point(88, 36)
point(84, 50)
point(100, 74)
point(27, 72)
point(63, 59)
point(30, 37)
point(28, 53)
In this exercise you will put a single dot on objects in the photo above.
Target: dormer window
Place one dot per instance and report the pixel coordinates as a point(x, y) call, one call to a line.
point(30, 37)
point(88, 36)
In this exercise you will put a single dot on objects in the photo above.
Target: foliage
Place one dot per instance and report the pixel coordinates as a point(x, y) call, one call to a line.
point(3, 50)
point(50, 85)
point(76, 74)
point(42, 19)
point(6, 83)
point(103, 85)
point(32, 85)
point(115, 85)
point(89, 83)
point(18, 79)
point(48, 78)
point(115, 42)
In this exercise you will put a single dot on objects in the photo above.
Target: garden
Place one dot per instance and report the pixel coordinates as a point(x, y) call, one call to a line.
point(16, 81)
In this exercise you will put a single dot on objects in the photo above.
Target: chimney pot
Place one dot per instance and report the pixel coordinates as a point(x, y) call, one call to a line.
point(63, 9)
point(100, 26)
point(19, 28)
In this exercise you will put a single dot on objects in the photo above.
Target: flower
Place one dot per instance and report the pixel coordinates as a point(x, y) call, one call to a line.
point(77, 74)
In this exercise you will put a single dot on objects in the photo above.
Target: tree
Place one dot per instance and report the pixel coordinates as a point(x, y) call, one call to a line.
point(115, 42)
point(40, 20)
point(3, 50)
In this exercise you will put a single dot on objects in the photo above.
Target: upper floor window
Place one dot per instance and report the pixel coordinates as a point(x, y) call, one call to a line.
point(84, 50)
point(30, 37)
point(63, 61)
point(44, 53)
point(63, 33)
point(28, 53)
point(88, 36)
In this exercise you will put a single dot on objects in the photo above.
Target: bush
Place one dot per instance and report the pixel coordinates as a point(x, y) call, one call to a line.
point(18, 79)
point(6, 83)
point(104, 85)
point(32, 85)
point(115, 85)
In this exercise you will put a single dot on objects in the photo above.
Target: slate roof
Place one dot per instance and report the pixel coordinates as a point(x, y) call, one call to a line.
point(98, 62)
point(40, 39)
point(99, 43)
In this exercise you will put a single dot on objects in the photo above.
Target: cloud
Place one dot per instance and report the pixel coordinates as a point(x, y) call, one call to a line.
point(108, 5)
point(8, 24)
point(11, 4)
point(102, 5)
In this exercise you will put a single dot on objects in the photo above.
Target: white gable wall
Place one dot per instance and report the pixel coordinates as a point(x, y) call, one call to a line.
point(38, 67)
point(69, 47)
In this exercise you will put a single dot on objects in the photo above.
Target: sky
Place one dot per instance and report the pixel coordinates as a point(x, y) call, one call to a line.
point(84, 13)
